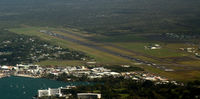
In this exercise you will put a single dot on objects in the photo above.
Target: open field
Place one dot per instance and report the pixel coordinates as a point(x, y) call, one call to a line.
point(177, 75)
point(60, 63)
point(169, 52)
point(165, 51)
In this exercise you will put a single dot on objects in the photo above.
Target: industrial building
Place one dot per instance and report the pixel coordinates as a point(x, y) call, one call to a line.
point(89, 96)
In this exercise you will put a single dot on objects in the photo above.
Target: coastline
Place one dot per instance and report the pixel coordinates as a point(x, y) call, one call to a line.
point(28, 76)
point(14, 87)
point(2, 75)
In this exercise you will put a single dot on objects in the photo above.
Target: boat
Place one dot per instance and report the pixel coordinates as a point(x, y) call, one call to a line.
point(23, 87)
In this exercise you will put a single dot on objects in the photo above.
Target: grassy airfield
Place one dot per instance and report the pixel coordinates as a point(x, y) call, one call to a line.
point(101, 57)
point(186, 65)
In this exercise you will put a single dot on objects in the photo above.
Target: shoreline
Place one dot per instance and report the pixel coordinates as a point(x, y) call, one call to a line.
point(28, 76)
point(2, 75)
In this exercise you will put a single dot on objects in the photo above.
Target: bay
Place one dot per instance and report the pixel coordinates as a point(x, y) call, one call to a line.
point(25, 88)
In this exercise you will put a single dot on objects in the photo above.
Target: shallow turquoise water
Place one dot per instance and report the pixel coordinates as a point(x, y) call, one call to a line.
point(26, 88)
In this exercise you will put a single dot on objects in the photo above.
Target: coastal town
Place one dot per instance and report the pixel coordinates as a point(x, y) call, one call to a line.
point(35, 71)
point(94, 72)
point(99, 49)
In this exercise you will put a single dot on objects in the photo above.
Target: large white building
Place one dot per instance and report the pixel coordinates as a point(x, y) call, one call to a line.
point(55, 92)
point(29, 66)
point(48, 92)
point(42, 93)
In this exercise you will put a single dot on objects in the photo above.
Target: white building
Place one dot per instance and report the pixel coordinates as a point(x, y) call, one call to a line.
point(42, 93)
point(55, 92)
point(29, 66)
point(48, 92)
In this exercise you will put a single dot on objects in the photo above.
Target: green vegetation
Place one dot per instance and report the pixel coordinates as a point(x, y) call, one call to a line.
point(121, 26)
point(17, 49)
point(182, 76)
point(119, 69)
point(129, 24)
point(61, 63)
point(107, 17)
point(116, 88)
point(119, 88)
point(101, 57)
point(168, 54)
point(165, 51)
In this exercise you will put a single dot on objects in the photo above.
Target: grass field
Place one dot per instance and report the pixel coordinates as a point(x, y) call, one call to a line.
point(183, 76)
point(60, 63)
point(165, 51)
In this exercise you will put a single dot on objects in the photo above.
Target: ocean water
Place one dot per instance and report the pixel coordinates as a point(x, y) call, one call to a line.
point(25, 88)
